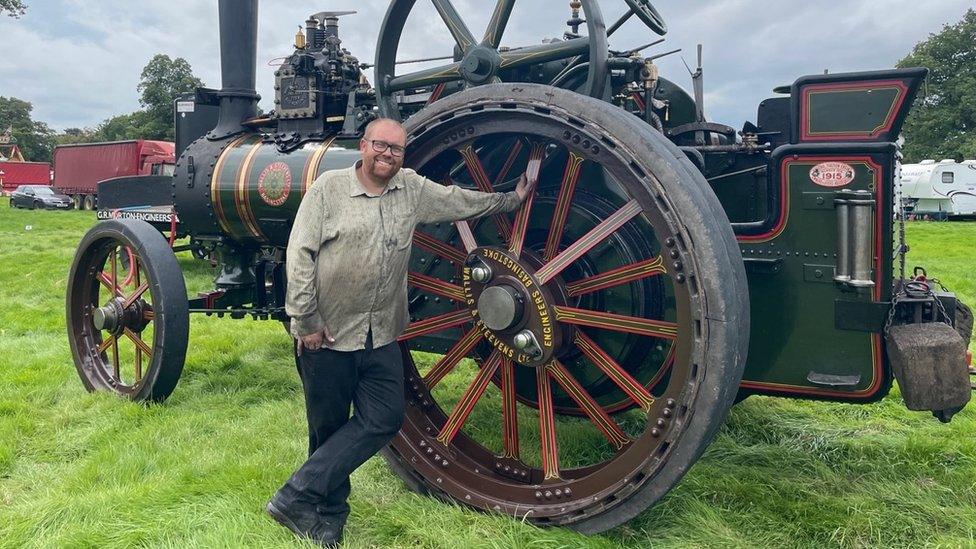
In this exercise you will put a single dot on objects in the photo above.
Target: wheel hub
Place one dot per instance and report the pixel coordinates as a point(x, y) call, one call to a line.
point(480, 64)
point(511, 309)
point(114, 318)
point(501, 306)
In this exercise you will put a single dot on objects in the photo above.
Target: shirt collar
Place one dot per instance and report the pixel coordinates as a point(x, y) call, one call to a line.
point(356, 188)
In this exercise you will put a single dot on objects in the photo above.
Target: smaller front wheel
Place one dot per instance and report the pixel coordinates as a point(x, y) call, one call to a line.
point(128, 321)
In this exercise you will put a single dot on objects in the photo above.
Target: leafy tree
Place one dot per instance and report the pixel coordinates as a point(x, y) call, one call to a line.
point(942, 123)
point(13, 8)
point(163, 80)
point(36, 139)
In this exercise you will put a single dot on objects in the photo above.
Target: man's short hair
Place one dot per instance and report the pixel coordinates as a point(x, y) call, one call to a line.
point(372, 125)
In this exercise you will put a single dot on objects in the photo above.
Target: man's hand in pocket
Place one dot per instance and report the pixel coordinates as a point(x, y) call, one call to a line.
point(315, 340)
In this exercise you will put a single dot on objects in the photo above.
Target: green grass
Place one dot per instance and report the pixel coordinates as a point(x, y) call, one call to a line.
point(82, 470)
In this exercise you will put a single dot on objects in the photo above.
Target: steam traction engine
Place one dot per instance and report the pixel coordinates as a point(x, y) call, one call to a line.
point(570, 362)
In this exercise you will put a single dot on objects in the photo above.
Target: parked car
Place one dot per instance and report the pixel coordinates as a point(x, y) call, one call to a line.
point(39, 196)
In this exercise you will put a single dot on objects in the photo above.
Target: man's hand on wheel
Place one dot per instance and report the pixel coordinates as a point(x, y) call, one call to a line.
point(525, 186)
point(314, 341)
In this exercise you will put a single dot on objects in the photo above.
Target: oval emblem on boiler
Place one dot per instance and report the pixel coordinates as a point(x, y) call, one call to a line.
point(274, 183)
point(832, 174)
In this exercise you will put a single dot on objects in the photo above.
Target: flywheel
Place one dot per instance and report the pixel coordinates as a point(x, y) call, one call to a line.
point(566, 363)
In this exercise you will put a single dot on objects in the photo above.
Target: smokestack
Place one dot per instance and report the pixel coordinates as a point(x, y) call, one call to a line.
point(238, 65)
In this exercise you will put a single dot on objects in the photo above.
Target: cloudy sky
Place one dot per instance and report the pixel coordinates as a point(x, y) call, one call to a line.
point(78, 61)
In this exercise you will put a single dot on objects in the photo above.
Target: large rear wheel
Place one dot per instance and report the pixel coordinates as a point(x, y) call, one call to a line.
point(568, 363)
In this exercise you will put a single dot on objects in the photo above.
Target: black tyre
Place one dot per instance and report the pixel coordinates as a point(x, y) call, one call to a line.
point(127, 327)
point(679, 219)
point(88, 202)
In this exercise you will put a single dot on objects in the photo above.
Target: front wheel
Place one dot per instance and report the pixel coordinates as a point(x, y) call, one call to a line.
point(127, 324)
point(567, 364)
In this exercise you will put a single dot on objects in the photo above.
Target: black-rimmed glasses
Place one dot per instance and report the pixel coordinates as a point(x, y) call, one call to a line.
point(382, 146)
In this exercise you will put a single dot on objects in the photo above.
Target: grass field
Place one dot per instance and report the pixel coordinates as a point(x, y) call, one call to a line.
point(85, 470)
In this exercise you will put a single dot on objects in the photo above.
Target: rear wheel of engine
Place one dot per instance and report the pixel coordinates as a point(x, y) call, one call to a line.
point(570, 362)
point(128, 321)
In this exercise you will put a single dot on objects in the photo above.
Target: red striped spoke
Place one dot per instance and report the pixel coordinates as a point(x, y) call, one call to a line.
point(470, 397)
point(435, 324)
point(618, 276)
point(633, 388)
point(614, 434)
point(452, 357)
point(436, 94)
point(435, 286)
point(547, 426)
point(136, 294)
point(617, 323)
point(477, 171)
point(509, 410)
point(115, 359)
point(521, 225)
point(596, 235)
point(111, 281)
point(566, 189)
point(467, 237)
point(106, 343)
point(509, 162)
point(140, 344)
point(426, 242)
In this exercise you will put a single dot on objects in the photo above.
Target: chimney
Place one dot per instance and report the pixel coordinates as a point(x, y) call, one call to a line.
point(238, 66)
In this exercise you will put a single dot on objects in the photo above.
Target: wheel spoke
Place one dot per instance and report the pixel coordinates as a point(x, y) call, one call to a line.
point(594, 411)
point(620, 275)
point(470, 397)
point(107, 282)
point(547, 426)
point(452, 357)
point(136, 294)
point(566, 189)
point(497, 24)
point(509, 410)
point(544, 53)
point(436, 247)
point(137, 339)
point(637, 392)
point(105, 343)
point(509, 162)
point(436, 94)
point(617, 323)
point(426, 77)
point(435, 324)
point(596, 235)
point(454, 23)
point(521, 224)
point(467, 237)
point(477, 171)
point(115, 359)
point(436, 286)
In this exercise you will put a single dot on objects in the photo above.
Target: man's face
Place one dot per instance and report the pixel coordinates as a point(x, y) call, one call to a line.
point(382, 165)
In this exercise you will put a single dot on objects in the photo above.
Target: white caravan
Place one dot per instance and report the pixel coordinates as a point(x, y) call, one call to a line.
point(939, 190)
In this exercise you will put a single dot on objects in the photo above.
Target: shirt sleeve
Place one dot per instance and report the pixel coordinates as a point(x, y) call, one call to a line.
point(301, 299)
point(452, 203)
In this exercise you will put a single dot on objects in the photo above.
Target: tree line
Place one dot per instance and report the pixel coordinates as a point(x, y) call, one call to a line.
point(162, 80)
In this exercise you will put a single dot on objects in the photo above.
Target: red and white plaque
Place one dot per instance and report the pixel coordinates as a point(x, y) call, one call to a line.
point(832, 174)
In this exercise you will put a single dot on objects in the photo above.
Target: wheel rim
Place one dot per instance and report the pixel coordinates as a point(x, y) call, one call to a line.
point(481, 62)
point(112, 316)
point(649, 15)
point(447, 438)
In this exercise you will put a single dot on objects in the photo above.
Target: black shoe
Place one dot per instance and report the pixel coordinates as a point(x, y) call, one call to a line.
point(304, 521)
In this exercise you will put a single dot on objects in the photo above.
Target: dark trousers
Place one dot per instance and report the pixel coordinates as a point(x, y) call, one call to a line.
point(370, 379)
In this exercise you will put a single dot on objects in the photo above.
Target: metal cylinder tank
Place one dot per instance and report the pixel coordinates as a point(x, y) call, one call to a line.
point(246, 190)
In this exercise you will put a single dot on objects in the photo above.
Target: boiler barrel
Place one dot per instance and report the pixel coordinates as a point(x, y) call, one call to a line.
point(247, 190)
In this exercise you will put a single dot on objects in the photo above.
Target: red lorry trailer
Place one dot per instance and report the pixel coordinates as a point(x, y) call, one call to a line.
point(78, 168)
point(15, 174)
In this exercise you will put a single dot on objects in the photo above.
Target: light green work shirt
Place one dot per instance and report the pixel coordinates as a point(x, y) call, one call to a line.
point(348, 251)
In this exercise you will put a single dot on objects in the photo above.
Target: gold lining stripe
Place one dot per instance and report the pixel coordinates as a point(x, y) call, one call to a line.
point(241, 196)
point(313, 163)
point(215, 185)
